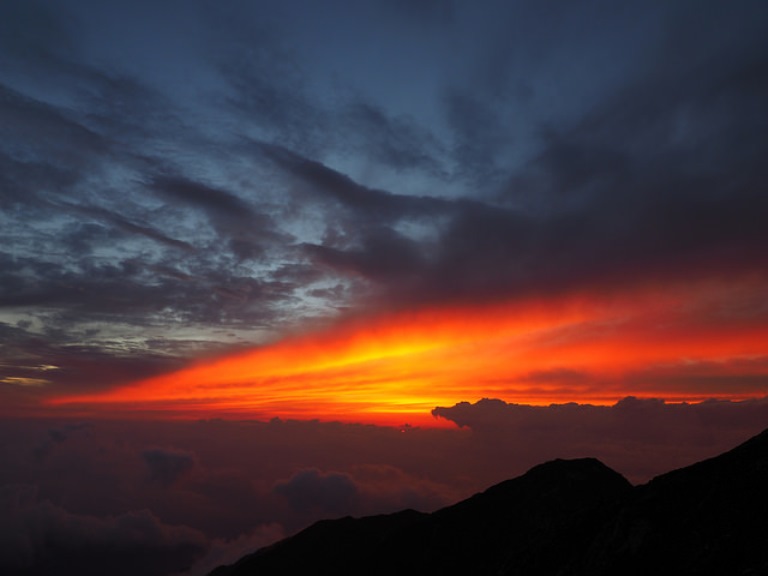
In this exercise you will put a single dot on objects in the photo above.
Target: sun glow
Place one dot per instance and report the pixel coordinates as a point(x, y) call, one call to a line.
point(395, 368)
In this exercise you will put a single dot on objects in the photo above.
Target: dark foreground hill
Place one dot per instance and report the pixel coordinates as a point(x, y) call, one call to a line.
point(562, 518)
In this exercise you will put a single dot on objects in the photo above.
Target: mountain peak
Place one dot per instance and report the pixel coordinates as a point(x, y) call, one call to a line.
point(566, 517)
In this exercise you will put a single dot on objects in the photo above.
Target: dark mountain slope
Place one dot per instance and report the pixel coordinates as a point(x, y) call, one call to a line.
point(561, 518)
point(708, 518)
point(509, 526)
point(513, 527)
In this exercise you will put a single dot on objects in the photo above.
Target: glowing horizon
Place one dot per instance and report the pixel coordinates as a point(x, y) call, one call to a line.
point(396, 368)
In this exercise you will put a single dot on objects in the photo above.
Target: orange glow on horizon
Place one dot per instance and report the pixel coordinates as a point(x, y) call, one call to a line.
point(678, 344)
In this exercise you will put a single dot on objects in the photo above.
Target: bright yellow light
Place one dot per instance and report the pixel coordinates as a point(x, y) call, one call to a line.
point(396, 368)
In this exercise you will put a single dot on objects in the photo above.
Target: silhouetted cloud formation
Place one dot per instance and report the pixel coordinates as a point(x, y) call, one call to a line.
point(640, 437)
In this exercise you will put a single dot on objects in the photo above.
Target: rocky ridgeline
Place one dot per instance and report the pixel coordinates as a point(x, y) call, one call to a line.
point(561, 518)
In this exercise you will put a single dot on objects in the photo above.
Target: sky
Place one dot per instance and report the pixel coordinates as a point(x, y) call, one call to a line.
point(266, 262)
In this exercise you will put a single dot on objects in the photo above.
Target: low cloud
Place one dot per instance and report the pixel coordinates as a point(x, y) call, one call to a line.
point(384, 488)
point(166, 466)
point(59, 436)
point(204, 493)
point(38, 538)
point(362, 489)
point(640, 438)
point(331, 493)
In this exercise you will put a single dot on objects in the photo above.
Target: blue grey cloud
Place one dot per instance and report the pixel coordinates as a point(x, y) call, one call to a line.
point(178, 181)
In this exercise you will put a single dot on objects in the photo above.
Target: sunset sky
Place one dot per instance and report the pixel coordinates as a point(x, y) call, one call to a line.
point(504, 230)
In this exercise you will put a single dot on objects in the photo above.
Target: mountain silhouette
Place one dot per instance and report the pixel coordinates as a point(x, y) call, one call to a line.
point(561, 518)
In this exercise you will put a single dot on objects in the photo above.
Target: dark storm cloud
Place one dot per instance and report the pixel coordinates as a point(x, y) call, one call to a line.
point(605, 222)
point(662, 178)
point(383, 255)
point(612, 210)
point(672, 197)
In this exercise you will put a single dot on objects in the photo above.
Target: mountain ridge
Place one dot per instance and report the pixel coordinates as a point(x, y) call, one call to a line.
point(561, 518)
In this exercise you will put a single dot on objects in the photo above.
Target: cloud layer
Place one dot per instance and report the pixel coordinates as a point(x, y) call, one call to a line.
point(638, 437)
point(183, 497)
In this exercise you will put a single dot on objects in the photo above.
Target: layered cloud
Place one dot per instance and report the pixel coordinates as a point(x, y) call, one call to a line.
point(39, 537)
point(78, 496)
point(102, 496)
point(639, 437)
point(685, 342)
point(151, 215)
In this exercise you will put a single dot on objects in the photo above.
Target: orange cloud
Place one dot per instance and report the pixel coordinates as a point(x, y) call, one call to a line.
point(679, 343)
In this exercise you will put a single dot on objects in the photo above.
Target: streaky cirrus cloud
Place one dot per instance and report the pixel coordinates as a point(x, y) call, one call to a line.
point(682, 343)
point(241, 178)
